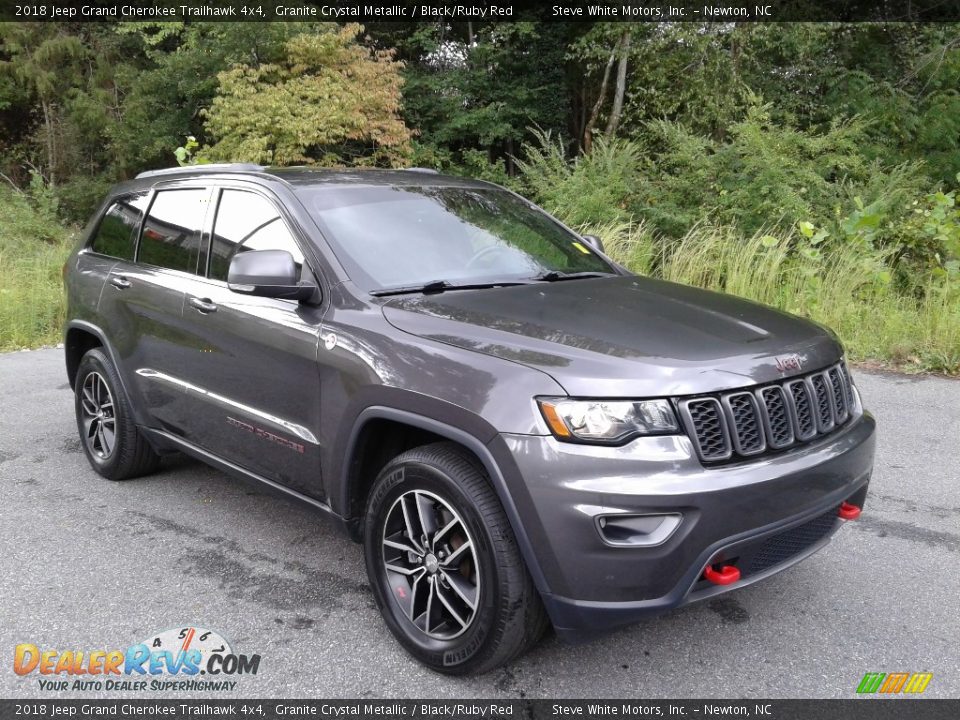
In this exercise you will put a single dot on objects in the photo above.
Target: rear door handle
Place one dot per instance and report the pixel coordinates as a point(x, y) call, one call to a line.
point(204, 305)
point(120, 282)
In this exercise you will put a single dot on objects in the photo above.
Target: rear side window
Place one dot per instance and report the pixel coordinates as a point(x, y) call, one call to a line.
point(173, 228)
point(247, 221)
point(117, 233)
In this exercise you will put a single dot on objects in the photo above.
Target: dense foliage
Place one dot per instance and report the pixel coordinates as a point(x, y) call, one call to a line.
point(792, 149)
point(330, 99)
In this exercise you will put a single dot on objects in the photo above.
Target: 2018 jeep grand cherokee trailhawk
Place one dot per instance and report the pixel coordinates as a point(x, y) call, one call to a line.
point(519, 430)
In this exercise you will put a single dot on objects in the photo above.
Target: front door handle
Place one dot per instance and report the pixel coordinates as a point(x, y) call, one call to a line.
point(120, 282)
point(204, 305)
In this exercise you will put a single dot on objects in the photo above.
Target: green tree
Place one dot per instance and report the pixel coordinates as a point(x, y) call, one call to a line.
point(481, 86)
point(171, 77)
point(44, 58)
point(329, 99)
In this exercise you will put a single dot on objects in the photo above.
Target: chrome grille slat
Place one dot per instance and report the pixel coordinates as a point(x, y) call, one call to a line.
point(751, 422)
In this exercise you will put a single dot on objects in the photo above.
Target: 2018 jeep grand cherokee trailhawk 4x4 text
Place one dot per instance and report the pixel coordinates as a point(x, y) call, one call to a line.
point(519, 430)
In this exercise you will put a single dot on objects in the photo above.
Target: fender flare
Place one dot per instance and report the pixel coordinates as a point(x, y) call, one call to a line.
point(111, 353)
point(478, 448)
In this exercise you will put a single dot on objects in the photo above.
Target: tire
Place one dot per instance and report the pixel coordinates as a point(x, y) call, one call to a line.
point(100, 405)
point(470, 554)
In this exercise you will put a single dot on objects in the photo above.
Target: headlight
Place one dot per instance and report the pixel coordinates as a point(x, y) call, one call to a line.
point(609, 422)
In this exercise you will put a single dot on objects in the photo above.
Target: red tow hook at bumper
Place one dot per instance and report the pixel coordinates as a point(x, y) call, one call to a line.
point(848, 511)
point(726, 575)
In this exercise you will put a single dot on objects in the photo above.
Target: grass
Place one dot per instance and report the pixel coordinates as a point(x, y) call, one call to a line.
point(845, 288)
point(33, 248)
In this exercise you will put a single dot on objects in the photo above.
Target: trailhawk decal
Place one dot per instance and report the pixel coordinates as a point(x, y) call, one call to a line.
point(266, 435)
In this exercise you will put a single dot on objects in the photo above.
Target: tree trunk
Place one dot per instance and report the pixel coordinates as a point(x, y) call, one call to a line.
point(588, 130)
point(614, 122)
point(51, 146)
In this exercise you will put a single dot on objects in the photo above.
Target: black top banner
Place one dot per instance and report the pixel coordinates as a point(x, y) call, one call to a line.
point(193, 709)
point(720, 11)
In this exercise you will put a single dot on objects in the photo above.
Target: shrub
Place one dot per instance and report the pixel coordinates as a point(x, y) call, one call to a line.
point(596, 187)
point(766, 174)
point(79, 197)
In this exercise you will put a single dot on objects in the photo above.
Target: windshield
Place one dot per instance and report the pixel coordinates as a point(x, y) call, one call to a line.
point(389, 237)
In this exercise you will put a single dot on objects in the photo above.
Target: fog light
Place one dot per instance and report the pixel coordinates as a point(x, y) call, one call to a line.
point(637, 530)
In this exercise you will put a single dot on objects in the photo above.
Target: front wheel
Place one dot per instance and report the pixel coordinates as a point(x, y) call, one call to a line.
point(444, 564)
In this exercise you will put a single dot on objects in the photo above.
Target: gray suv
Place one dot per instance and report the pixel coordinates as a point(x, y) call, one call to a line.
point(521, 432)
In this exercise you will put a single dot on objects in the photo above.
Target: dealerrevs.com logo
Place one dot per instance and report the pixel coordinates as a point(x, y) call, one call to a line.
point(181, 659)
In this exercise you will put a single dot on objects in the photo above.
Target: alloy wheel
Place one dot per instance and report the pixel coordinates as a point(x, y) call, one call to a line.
point(97, 415)
point(431, 564)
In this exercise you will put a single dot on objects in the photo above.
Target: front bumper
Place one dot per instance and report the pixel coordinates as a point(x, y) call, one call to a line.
point(764, 515)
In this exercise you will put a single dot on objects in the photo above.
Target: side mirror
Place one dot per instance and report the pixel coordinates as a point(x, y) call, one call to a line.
point(267, 273)
point(594, 242)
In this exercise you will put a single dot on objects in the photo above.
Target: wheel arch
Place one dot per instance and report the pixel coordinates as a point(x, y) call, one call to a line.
point(354, 485)
point(77, 341)
point(81, 336)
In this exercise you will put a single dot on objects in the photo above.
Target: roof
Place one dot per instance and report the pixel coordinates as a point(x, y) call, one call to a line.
point(307, 176)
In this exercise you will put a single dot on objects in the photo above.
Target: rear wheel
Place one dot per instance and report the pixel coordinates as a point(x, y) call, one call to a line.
point(110, 438)
point(444, 565)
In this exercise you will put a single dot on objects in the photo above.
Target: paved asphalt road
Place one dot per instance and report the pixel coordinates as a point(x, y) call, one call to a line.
point(86, 563)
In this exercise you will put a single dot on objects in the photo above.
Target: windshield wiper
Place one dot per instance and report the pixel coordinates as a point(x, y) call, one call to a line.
point(557, 275)
point(439, 286)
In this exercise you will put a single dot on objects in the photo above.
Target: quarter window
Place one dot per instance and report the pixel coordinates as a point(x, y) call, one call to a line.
point(247, 221)
point(171, 233)
point(117, 234)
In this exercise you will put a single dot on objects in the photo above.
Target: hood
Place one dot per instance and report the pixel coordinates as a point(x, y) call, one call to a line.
point(621, 337)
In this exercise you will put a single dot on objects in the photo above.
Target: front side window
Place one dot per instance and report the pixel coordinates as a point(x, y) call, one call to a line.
point(247, 221)
point(117, 233)
point(402, 236)
point(173, 228)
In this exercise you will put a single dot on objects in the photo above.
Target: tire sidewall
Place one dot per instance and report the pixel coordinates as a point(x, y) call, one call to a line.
point(454, 656)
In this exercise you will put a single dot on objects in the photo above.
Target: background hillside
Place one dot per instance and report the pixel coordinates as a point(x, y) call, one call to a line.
point(810, 166)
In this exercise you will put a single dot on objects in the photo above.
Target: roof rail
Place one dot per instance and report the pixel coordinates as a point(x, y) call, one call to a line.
point(209, 167)
point(429, 171)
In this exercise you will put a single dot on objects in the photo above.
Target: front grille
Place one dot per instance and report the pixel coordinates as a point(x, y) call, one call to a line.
point(783, 546)
point(847, 384)
point(747, 429)
point(747, 423)
point(777, 417)
point(839, 394)
point(823, 402)
point(706, 417)
point(806, 424)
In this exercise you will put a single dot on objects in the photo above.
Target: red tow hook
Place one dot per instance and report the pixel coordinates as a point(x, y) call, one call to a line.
point(726, 575)
point(848, 511)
